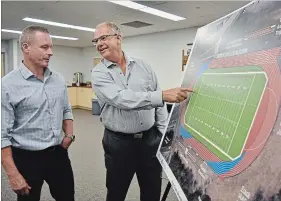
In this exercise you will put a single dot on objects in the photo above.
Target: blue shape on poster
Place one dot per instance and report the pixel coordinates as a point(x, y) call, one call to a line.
point(203, 68)
point(184, 132)
point(224, 166)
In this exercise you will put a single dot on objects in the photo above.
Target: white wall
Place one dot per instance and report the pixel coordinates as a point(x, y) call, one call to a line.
point(163, 51)
point(67, 61)
point(89, 54)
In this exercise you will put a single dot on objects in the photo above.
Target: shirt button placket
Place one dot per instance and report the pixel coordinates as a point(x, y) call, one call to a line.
point(49, 109)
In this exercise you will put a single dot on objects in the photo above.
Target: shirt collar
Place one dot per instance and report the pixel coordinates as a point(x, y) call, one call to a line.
point(108, 63)
point(26, 73)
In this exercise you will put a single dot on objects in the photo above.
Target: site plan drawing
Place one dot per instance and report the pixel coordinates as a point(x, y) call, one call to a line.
point(224, 142)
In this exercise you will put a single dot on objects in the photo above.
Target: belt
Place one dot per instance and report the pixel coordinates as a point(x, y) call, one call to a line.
point(138, 135)
point(52, 148)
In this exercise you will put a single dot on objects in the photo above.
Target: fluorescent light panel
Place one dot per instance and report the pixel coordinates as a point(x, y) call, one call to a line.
point(129, 4)
point(58, 24)
point(11, 31)
point(149, 10)
point(52, 36)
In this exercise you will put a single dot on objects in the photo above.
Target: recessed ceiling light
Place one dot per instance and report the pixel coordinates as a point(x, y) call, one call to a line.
point(58, 24)
point(149, 10)
point(52, 36)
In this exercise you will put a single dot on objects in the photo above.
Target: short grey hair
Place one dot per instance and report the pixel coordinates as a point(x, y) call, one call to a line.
point(28, 33)
point(113, 27)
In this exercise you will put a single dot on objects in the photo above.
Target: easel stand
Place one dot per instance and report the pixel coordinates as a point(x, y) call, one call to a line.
point(165, 195)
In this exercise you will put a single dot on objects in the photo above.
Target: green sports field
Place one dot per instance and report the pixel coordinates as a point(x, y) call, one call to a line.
point(221, 110)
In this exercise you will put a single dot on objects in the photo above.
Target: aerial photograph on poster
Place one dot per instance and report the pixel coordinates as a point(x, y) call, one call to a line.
point(224, 142)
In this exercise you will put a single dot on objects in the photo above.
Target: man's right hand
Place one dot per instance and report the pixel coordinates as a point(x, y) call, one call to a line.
point(176, 95)
point(19, 184)
point(16, 180)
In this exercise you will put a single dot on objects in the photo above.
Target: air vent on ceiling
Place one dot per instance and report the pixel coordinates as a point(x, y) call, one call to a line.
point(136, 24)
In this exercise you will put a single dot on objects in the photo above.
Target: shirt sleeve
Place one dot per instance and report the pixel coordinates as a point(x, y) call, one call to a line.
point(67, 111)
point(106, 90)
point(8, 118)
point(161, 113)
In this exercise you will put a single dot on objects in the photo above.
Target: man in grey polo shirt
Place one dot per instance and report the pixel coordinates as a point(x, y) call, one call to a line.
point(35, 108)
point(134, 116)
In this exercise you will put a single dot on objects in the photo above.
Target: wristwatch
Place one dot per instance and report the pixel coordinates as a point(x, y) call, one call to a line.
point(71, 136)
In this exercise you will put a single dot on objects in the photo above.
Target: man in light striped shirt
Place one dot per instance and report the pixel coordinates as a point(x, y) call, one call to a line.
point(134, 115)
point(35, 108)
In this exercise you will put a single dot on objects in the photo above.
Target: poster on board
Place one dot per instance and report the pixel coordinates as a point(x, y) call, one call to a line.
point(224, 142)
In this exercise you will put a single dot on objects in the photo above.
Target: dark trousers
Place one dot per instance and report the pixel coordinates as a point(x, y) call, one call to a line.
point(125, 156)
point(51, 165)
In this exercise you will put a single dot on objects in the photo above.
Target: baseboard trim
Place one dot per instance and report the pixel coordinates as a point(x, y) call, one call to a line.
point(81, 107)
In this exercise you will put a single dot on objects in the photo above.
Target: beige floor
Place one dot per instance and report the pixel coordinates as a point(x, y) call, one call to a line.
point(87, 160)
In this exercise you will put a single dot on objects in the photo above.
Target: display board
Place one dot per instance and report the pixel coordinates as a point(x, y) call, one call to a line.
point(224, 142)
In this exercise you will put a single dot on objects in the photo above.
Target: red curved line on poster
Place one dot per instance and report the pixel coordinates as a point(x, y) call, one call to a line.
point(258, 143)
point(258, 122)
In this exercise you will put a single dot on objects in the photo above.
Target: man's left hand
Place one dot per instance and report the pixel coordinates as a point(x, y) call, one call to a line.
point(66, 142)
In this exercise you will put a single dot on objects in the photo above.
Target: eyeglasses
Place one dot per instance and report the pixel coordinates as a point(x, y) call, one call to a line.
point(102, 38)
